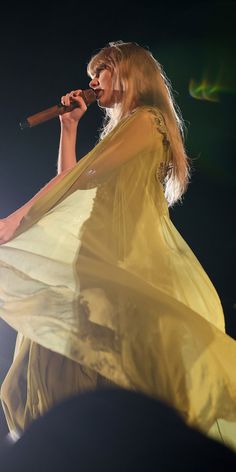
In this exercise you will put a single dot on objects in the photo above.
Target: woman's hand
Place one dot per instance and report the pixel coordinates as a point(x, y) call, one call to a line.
point(8, 226)
point(75, 115)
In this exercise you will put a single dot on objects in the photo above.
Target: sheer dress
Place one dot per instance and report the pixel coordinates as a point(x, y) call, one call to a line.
point(102, 289)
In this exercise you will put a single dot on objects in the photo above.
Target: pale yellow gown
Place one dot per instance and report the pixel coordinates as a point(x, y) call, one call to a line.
point(99, 284)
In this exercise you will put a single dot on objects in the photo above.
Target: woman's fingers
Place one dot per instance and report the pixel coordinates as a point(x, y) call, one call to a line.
point(65, 100)
point(78, 111)
point(71, 97)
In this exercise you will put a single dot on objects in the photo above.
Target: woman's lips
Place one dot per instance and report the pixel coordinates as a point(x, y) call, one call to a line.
point(98, 93)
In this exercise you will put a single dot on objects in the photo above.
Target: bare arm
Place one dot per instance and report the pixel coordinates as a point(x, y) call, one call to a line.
point(9, 224)
point(67, 146)
point(69, 124)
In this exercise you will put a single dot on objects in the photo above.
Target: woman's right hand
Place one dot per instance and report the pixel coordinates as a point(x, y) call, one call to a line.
point(8, 227)
point(76, 114)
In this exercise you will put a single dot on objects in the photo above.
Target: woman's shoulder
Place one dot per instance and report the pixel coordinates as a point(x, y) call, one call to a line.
point(141, 120)
point(150, 111)
point(154, 114)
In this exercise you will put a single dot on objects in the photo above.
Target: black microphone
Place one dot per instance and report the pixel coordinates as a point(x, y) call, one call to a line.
point(88, 96)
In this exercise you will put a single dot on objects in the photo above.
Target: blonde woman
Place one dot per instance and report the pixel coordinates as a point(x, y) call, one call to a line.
point(98, 282)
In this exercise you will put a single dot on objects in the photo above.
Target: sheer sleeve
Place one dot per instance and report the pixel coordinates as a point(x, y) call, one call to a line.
point(142, 132)
point(137, 136)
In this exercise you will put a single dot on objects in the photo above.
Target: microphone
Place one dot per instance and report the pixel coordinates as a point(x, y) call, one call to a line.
point(88, 96)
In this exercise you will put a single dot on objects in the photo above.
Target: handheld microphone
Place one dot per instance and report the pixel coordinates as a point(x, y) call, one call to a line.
point(88, 96)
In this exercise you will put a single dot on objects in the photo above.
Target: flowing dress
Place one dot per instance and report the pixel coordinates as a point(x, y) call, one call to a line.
point(97, 281)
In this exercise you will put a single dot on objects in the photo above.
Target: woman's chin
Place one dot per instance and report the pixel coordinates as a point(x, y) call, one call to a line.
point(104, 103)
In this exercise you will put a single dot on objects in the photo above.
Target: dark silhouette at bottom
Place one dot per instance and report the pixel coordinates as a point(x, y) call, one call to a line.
point(114, 430)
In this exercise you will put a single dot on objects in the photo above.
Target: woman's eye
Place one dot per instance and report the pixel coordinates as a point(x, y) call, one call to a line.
point(100, 70)
point(97, 72)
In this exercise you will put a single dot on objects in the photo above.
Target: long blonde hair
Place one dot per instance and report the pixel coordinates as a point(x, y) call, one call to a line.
point(146, 84)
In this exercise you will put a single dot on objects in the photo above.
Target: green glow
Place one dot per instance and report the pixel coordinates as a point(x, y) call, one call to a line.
point(205, 90)
point(210, 90)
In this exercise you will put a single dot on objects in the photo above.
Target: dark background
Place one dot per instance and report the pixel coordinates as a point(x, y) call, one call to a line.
point(45, 48)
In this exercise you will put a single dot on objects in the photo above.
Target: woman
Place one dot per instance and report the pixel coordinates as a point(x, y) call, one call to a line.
point(94, 276)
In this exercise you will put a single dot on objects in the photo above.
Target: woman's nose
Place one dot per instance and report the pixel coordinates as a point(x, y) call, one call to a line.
point(93, 83)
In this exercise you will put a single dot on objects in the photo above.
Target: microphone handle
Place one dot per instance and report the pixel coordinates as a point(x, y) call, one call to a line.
point(88, 96)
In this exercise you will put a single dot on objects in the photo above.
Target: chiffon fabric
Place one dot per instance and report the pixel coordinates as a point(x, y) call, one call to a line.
point(99, 284)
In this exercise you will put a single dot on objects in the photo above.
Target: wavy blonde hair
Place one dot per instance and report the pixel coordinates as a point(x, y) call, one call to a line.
point(145, 83)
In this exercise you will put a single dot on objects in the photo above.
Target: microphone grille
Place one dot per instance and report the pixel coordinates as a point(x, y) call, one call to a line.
point(89, 96)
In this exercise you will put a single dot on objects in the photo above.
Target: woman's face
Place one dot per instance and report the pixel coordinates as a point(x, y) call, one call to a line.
point(103, 85)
